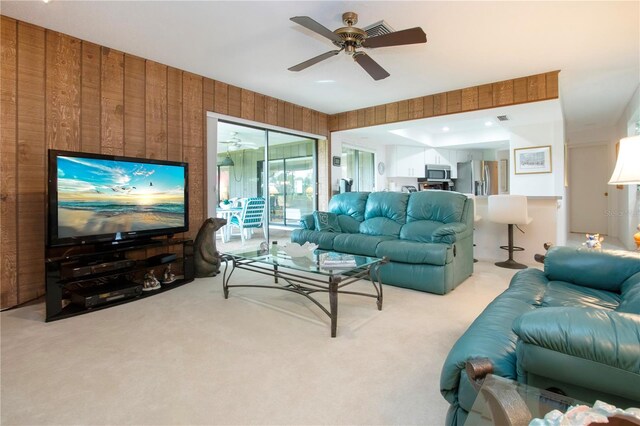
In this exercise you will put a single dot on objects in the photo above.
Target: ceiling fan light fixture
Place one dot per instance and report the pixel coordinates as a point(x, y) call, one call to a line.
point(227, 161)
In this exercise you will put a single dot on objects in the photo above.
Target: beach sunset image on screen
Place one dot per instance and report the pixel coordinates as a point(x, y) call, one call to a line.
point(99, 196)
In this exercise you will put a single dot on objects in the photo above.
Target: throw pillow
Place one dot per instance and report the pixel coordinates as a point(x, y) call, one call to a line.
point(325, 221)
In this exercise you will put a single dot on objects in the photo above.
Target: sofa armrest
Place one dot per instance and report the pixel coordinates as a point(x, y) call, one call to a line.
point(449, 233)
point(606, 337)
point(306, 222)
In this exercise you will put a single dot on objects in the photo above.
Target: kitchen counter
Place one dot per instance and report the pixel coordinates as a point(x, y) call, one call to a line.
point(548, 225)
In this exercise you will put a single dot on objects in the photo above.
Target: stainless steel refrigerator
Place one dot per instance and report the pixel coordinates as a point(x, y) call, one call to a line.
point(477, 177)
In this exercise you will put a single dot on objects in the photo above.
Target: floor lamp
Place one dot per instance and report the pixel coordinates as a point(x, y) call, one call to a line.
point(627, 171)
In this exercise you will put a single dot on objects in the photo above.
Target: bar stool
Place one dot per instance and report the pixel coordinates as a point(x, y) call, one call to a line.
point(476, 218)
point(512, 210)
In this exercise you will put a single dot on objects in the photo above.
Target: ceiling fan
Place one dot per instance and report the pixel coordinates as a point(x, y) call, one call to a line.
point(235, 143)
point(351, 38)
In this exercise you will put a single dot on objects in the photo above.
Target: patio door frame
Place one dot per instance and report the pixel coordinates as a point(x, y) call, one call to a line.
point(212, 154)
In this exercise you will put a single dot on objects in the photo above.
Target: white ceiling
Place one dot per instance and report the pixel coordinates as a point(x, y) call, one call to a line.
point(596, 45)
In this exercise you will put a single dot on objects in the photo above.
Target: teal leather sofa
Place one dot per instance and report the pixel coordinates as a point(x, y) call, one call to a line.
point(574, 326)
point(427, 236)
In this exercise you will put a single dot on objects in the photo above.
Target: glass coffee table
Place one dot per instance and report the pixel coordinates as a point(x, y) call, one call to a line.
point(506, 402)
point(306, 276)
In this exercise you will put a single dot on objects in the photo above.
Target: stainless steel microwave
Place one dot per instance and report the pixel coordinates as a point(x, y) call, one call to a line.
point(437, 172)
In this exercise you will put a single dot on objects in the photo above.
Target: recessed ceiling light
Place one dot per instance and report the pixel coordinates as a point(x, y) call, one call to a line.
point(488, 123)
point(325, 81)
point(445, 129)
point(46, 1)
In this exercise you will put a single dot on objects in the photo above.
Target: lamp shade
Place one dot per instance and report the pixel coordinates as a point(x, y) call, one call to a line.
point(227, 161)
point(627, 171)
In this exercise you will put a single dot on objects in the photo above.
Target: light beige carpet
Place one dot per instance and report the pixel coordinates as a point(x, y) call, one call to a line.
point(189, 356)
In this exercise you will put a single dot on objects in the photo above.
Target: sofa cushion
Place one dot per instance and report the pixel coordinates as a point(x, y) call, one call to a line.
point(380, 226)
point(364, 245)
point(438, 206)
point(412, 252)
point(307, 222)
point(348, 224)
point(391, 205)
point(350, 204)
point(325, 221)
point(560, 293)
point(324, 240)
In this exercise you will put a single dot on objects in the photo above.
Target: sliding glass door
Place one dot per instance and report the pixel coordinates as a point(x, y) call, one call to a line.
point(291, 189)
point(276, 166)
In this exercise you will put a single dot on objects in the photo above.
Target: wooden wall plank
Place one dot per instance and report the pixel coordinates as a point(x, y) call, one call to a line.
point(306, 120)
point(485, 96)
point(90, 98)
point(403, 110)
point(333, 122)
point(281, 113)
point(416, 108)
point(520, 90)
point(428, 106)
point(208, 94)
point(63, 87)
point(221, 97)
point(8, 163)
point(31, 159)
point(361, 117)
point(370, 116)
point(192, 112)
point(323, 125)
point(297, 117)
point(259, 113)
point(112, 102)
point(134, 105)
point(381, 114)
point(342, 121)
point(271, 111)
point(503, 93)
point(536, 87)
point(174, 114)
point(454, 101)
point(551, 79)
point(314, 122)
point(156, 110)
point(352, 119)
point(247, 109)
point(469, 99)
point(439, 104)
point(235, 101)
point(288, 115)
point(391, 112)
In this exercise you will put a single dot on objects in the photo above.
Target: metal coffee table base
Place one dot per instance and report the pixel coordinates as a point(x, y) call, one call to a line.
point(306, 285)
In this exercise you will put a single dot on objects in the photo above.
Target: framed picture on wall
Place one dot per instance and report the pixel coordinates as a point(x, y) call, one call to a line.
point(336, 161)
point(536, 159)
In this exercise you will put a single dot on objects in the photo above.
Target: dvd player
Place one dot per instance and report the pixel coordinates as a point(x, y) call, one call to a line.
point(91, 297)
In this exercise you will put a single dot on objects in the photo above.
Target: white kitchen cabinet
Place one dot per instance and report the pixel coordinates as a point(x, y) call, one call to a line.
point(437, 156)
point(405, 161)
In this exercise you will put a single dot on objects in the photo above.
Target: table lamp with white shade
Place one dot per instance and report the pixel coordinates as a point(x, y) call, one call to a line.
point(627, 171)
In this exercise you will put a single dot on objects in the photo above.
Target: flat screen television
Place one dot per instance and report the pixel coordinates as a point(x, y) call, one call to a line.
point(96, 198)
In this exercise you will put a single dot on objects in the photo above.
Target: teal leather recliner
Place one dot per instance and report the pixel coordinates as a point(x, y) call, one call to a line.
point(574, 327)
point(427, 236)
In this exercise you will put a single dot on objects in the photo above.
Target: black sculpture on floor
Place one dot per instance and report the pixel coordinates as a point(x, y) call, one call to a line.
point(207, 258)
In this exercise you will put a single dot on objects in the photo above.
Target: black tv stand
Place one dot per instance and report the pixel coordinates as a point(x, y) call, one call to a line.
point(92, 268)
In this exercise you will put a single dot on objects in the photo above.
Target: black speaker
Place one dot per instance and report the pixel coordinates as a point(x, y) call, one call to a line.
point(189, 266)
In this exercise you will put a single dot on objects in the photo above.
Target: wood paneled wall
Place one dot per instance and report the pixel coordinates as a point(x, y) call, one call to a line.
point(60, 92)
point(534, 88)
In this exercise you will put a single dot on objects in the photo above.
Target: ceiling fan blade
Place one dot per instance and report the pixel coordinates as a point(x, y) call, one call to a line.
point(370, 66)
point(313, 61)
point(316, 27)
point(397, 38)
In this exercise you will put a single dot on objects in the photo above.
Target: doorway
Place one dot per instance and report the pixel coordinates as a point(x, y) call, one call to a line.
point(589, 190)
